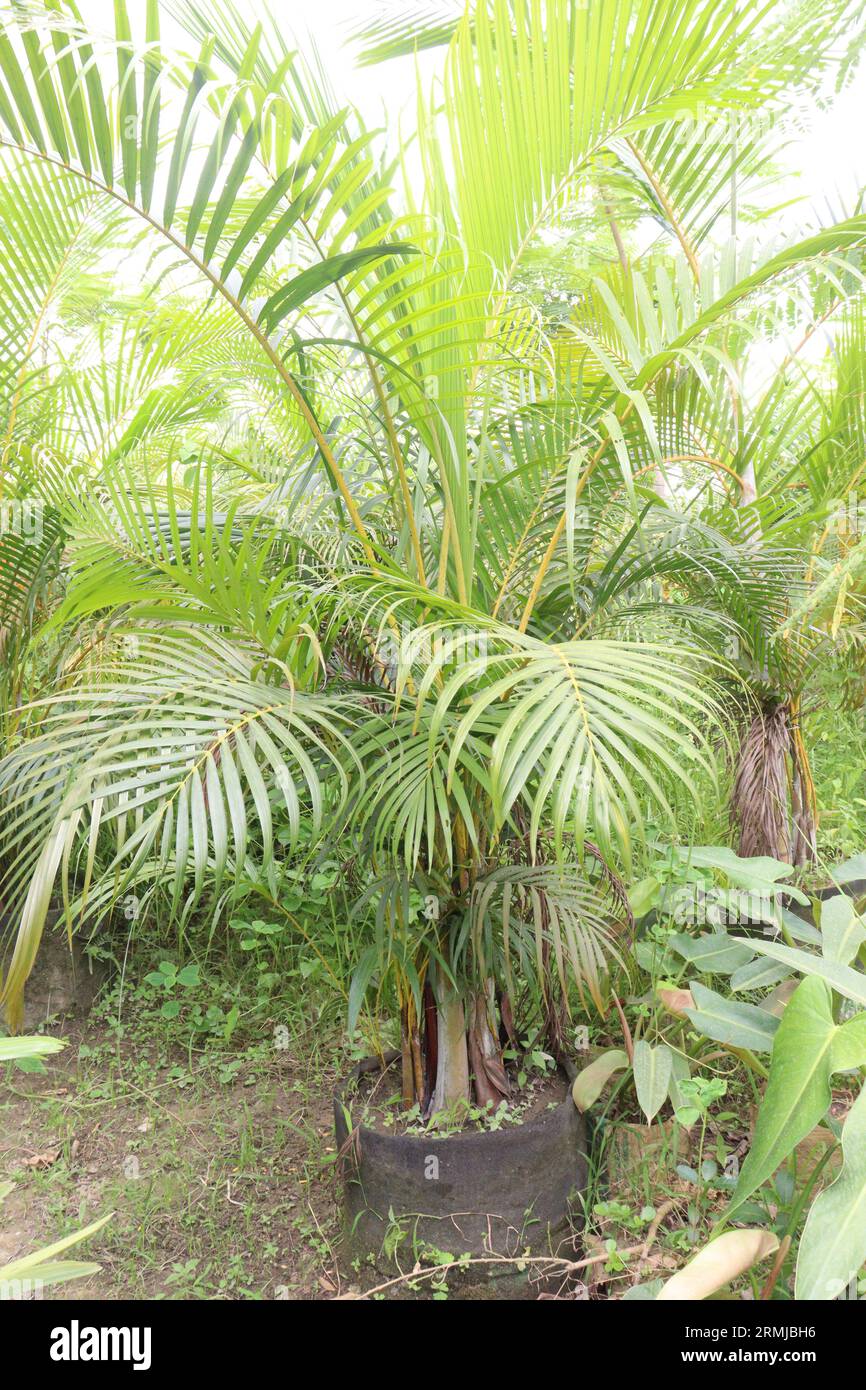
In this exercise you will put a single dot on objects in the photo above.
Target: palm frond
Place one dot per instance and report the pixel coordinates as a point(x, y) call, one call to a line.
point(163, 771)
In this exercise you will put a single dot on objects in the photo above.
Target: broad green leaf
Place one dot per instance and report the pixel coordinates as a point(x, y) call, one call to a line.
point(642, 1293)
point(760, 874)
point(790, 891)
point(842, 978)
point(643, 896)
point(797, 928)
point(807, 1048)
point(833, 1243)
point(850, 871)
point(652, 1075)
point(849, 1045)
point(653, 957)
point(680, 1071)
point(731, 1021)
point(842, 930)
point(755, 872)
point(591, 1081)
point(714, 954)
point(759, 974)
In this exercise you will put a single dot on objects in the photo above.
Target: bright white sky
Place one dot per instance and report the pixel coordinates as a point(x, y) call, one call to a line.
point(826, 161)
point(830, 154)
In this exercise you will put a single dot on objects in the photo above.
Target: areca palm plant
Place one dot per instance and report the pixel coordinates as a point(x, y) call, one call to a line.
point(824, 622)
point(350, 528)
point(807, 469)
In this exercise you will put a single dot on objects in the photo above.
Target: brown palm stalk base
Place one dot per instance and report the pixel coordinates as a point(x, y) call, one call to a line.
point(773, 800)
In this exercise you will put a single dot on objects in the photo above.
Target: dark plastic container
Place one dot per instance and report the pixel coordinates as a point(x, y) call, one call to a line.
point(487, 1193)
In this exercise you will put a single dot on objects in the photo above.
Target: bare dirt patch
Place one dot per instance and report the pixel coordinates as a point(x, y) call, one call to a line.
point(219, 1170)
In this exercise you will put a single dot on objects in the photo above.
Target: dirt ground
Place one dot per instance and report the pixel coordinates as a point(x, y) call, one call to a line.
point(219, 1170)
point(213, 1153)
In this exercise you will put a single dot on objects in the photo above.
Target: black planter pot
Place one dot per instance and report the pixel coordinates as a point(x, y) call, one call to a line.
point(488, 1193)
point(854, 888)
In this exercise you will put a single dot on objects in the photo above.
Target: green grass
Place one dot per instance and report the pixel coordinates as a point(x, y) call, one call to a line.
point(216, 1155)
point(835, 738)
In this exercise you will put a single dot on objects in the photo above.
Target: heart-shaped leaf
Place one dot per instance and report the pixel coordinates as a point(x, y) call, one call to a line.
point(833, 1243)
point(652, 1076)
point(842, 930)
point(590, 1082)
point(809, 1046)
point(731, 1021)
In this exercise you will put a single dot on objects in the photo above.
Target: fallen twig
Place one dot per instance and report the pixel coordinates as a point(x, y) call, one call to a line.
point(552, 1263)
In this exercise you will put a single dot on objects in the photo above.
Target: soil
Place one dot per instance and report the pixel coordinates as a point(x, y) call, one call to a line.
point(378, 1105)
point(219, 1188)
point(64, 980)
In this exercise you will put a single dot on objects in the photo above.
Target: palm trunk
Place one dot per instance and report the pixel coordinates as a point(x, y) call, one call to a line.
point(407, 1071)
point(773, 800)
point(412, 1058)
point(452, 1070)
point(485, 1053)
